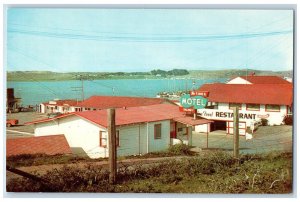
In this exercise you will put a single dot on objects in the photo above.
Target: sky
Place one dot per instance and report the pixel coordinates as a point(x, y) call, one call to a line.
point(110, 40)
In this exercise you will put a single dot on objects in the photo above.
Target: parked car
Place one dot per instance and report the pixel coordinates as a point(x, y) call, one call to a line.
point(52, 115)
point(11, 122)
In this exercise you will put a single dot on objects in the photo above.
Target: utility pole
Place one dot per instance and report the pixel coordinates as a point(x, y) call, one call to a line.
point(236, 132)
point(81, 89)
point(112, 149)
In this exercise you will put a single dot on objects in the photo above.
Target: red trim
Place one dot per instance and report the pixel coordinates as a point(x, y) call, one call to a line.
point(252, 109)
point(175, 129)
point(228, 127)
point(271, 110)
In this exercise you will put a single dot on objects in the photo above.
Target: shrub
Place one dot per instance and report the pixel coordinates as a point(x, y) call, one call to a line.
point(288, 120)
point(179, 149)
point(264, 122)
point(43, 159)
point(210, 173)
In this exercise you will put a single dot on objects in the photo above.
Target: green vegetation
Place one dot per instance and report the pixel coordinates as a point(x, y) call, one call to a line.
point(154, 74)
point(230, 73)
point(288, 120)
point(264, 122)
point(174, 72)
point(43, 159)
point(214, 172)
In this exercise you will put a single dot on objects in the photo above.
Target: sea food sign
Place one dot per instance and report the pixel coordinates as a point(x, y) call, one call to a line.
point(197, 102)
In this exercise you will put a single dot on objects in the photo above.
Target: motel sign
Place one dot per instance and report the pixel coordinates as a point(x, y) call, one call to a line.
point(198, 102)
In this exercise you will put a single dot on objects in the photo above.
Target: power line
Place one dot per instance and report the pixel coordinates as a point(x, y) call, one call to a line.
point(149, 38)
point(277, 21)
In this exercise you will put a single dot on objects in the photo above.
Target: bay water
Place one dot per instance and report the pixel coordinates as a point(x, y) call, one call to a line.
point(36, 92)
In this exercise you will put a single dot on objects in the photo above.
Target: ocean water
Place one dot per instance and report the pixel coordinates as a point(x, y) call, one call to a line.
point(33, 93)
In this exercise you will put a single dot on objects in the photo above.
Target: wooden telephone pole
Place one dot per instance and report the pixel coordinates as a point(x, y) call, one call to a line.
point(112, 149)
point(236, 132)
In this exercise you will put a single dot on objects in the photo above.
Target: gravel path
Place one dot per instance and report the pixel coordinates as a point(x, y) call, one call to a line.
point(265, 139)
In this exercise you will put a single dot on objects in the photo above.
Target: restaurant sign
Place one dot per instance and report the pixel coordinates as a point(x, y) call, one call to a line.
point(220, 114)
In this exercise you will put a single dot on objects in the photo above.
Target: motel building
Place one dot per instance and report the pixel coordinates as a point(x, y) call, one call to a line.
point(139, 130)
point(257, 97)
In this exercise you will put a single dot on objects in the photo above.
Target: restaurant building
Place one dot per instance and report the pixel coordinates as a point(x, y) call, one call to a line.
point(258, 97)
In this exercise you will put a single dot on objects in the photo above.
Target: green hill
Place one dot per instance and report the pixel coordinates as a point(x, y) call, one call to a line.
point(192, 74)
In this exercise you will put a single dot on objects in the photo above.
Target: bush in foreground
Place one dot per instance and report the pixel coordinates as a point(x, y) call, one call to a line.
point(288, 120)
point(211, 173)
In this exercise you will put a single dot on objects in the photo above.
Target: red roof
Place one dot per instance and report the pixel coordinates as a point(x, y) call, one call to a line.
point(51, 145)
point(128, 116)
point(265, 79)
point(277, 94)
point(105, 102)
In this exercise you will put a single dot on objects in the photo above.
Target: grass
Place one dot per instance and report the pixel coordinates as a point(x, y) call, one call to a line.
point(43, 159)
point(213, 172)
point(25, 160)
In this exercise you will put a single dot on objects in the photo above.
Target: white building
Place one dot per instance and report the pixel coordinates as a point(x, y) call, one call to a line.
point(140, 130)
point(62, 106)
point(258, 97)
point(252, 79)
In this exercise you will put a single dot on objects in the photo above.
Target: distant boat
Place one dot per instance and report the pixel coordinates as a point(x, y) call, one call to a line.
point(171, 95)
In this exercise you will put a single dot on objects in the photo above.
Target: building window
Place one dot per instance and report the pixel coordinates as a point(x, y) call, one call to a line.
point(216, 105)
point(103, 139)
point(212, 105)
point(231, 105)
point(273, 108)
point(157, 131)
point(253, 107)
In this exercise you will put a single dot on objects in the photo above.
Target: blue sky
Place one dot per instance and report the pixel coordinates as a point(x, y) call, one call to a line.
point(102, 40)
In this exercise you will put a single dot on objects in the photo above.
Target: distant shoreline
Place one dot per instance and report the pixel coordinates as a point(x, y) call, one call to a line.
point(37, 76)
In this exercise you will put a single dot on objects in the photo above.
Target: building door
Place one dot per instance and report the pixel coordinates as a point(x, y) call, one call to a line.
point(173, 130)
point(220, 125)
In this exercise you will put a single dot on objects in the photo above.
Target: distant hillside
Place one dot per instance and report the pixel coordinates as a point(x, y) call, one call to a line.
point(192, 74)
point(230, 73)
